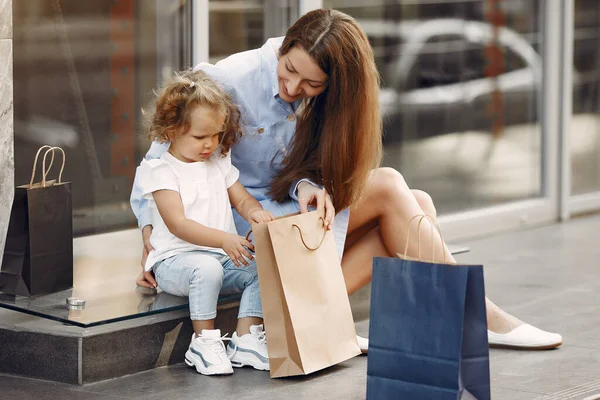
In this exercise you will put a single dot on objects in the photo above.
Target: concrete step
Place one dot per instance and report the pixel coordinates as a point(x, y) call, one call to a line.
point(45, 349)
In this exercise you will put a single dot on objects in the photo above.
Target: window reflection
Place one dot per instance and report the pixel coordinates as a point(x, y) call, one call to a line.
point(584, 129)
point(460, 96)
point(82, 72)
point(237, 26)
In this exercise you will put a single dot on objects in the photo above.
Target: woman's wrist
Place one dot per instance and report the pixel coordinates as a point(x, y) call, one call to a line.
point(305, 184)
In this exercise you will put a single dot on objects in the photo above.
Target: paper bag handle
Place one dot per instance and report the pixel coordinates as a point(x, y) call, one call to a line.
point(302, 236)
point(45, 172)
point(36, 160)
point(433, 224)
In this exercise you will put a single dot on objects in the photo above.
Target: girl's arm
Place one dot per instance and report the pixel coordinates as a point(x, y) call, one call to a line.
point(171, 210)
point(246, 205)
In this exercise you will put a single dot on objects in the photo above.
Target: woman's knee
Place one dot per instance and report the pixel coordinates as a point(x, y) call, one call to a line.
point(425, 202)
point(387, 186)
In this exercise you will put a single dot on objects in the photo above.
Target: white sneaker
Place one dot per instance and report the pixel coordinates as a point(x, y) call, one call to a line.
point(207, 354)
point(363, 343)
point(249, 349)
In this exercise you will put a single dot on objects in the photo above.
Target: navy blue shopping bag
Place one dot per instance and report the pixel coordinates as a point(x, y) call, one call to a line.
point(427, 332)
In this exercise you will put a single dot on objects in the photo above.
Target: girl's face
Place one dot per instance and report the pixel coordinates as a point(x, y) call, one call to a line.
point(299, 76)
point(202, 139)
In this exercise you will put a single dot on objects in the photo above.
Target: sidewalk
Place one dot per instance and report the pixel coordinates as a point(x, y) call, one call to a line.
point(547, 276)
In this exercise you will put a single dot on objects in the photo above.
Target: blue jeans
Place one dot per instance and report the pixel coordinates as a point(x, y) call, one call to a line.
point(202, 276)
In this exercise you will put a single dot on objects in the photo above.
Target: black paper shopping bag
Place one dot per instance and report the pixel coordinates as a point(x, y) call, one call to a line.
point(38, 254)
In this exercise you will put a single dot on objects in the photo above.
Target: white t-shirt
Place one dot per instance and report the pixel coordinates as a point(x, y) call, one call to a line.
point(203, 190)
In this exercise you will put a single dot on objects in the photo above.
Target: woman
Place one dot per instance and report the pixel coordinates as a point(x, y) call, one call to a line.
point(312, 136)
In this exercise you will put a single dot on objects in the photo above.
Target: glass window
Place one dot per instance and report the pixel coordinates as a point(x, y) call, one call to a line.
point(237, 26)
point(460, 97)
point(585, 123)
point(83, 70)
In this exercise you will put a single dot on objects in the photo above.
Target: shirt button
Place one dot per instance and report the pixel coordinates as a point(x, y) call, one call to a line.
point(291, 117)
point(261, 130)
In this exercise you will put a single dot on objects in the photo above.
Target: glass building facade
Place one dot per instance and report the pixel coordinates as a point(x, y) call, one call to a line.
point(491, 106)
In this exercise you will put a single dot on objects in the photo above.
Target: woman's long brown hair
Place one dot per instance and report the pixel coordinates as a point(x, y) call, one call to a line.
point(338, 138)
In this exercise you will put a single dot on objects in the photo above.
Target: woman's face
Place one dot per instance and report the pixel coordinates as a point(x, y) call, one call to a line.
point(299, 76)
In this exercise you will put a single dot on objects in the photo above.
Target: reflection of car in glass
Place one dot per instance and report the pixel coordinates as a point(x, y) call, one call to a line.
point(437, 81)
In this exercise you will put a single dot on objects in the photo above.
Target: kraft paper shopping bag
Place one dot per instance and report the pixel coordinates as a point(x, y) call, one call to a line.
point(307, 313)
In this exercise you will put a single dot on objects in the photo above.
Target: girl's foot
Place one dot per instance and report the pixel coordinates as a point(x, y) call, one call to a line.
point(207, 354)
point(249, 349)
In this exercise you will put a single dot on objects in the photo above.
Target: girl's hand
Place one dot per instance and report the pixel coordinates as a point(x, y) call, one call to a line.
point(236, 248)
point(312, 195)
point(258, 215)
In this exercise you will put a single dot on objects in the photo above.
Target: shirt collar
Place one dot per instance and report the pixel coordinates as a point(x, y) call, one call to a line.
point(270, 57)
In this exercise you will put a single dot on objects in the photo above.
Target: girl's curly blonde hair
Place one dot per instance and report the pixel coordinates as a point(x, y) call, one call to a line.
point(177, 99)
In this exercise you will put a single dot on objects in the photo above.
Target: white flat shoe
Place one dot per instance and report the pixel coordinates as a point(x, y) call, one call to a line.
point(525, 337)
point(363, 343)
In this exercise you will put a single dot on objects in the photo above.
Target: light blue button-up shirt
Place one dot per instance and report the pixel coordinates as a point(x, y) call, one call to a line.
point(268, 125)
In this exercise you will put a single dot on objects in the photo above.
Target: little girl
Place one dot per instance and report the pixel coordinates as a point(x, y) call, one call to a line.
point(197, 251)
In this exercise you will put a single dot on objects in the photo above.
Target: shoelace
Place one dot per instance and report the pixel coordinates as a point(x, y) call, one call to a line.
point(215, 345)
point(261, 337)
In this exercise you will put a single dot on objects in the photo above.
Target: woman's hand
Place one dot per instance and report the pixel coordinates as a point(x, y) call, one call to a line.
point(258, 215)
point(312, 195)
point(146, 233)
point(236, 248)
point(146, 278)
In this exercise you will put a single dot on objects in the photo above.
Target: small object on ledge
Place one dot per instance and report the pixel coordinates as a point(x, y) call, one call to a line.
point(75, 302)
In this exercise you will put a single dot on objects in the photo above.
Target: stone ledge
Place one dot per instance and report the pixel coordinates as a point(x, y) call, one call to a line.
point(44, 349)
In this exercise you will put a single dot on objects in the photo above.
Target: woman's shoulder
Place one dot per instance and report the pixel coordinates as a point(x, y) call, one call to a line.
point(245, 60)
point(156, 150)
point(234, 68)
point(239, 67)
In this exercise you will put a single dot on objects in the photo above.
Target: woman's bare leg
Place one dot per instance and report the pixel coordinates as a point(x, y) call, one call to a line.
point(378, 227)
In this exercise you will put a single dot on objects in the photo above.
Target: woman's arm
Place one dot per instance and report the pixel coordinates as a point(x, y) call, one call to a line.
point(139, 205)
point(246, 205)
point(171, 210)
